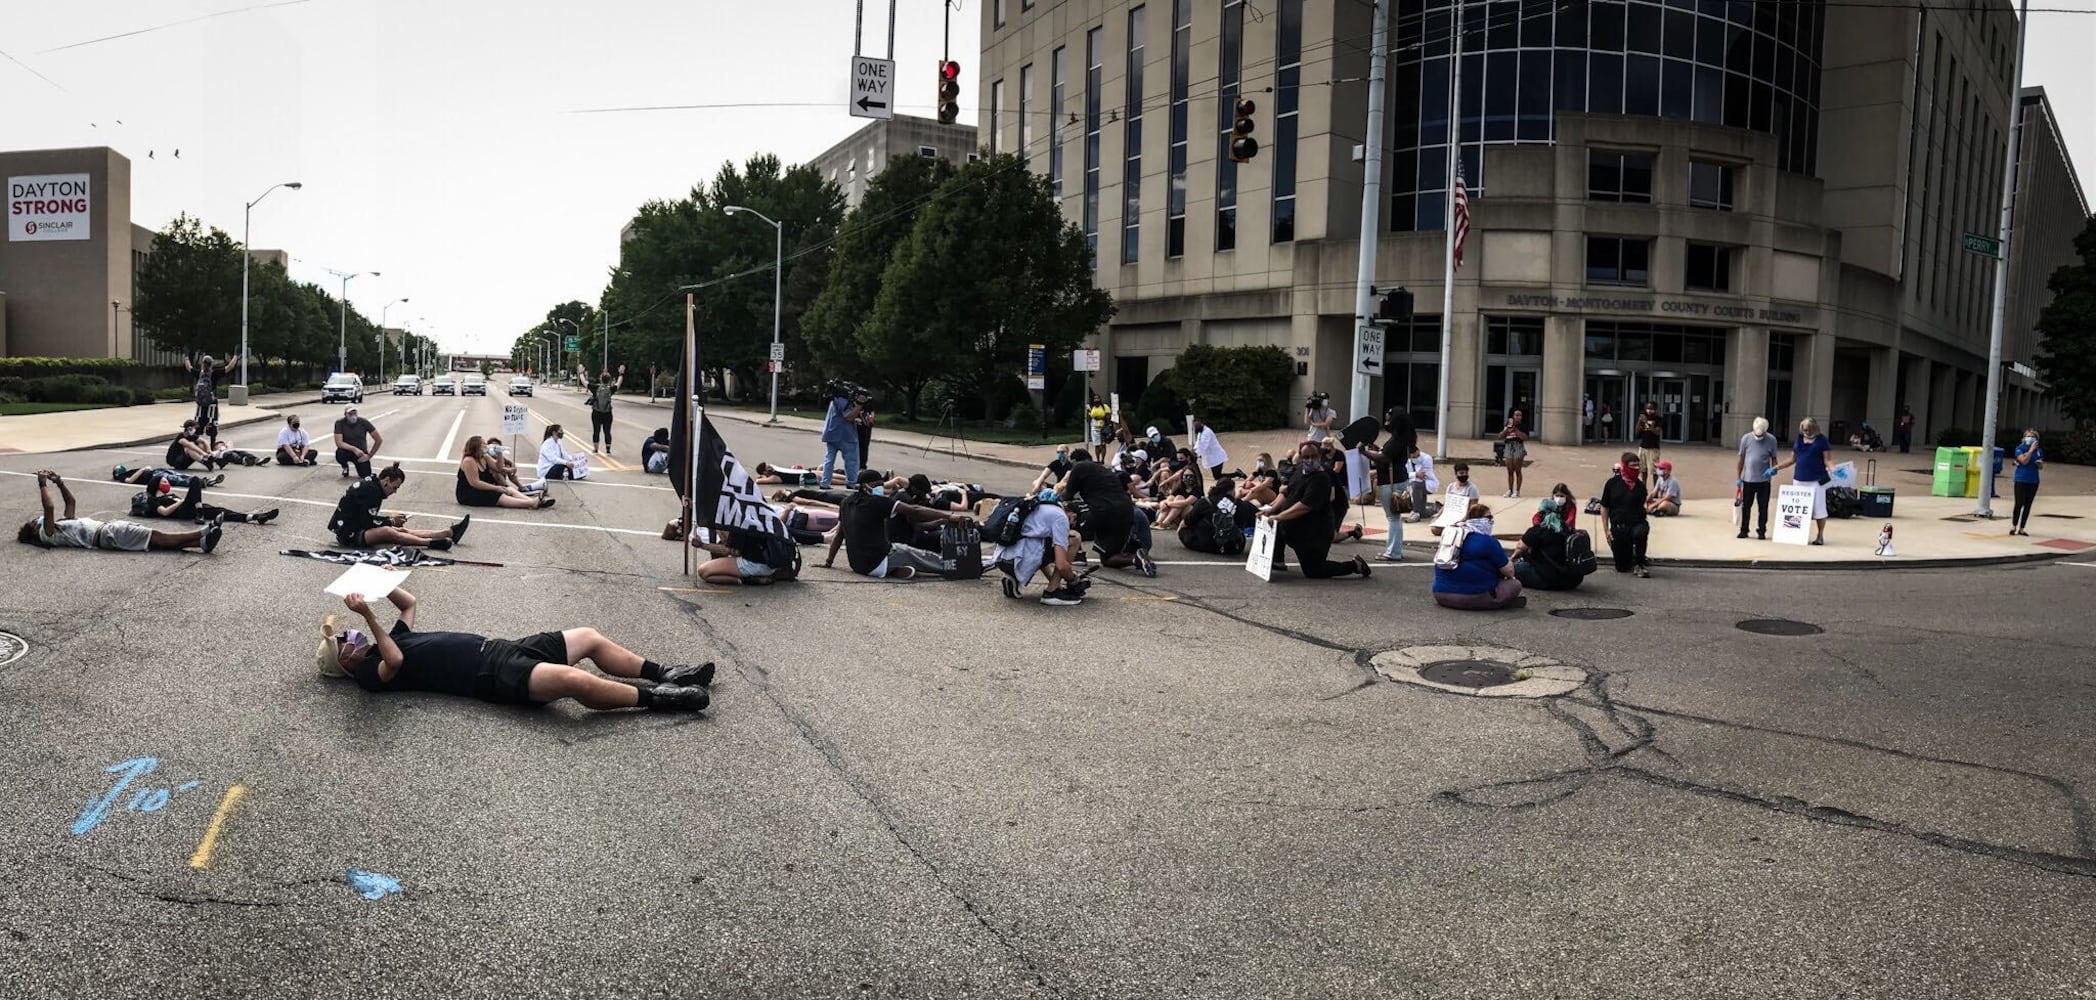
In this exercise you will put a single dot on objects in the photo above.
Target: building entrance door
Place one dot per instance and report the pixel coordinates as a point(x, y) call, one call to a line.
point(1672, 396)
point(1611, 394)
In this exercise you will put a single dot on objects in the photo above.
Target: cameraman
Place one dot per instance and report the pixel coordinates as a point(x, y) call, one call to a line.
point(840, 431)
point(1318, 416)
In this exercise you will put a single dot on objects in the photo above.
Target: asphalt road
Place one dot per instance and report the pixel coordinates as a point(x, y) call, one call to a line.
point(1190, 787)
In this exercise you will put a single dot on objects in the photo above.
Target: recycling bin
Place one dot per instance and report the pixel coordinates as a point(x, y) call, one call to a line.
point(1949, 480)
point(1974, 466)
point(236, 395)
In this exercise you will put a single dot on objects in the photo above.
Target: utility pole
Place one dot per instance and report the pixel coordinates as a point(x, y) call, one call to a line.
point(1992, 422)
point(1371, 201)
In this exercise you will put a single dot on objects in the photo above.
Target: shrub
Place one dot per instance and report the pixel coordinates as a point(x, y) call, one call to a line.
point(1964, 437)
point(1234, 388)
point(36, 367)
point(2075, 447)
point(1022, 415)
point(1161, 406)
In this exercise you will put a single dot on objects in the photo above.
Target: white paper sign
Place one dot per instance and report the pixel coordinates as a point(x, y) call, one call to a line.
point(1259, 559)
point(1360, 474)
point(370, 582)
point(513, 415)
point(1843, 475)
point(1084, 361)
point(1794, 513)
point(1114, 400)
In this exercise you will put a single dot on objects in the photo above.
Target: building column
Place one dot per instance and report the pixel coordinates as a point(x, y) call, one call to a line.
point(1879, 406)
point(1962, 405)
point(1466, 351)
point(1561, 406)
point(1812, 380)
point(1942, 413)
point(1918, 383)
point(1746, 379)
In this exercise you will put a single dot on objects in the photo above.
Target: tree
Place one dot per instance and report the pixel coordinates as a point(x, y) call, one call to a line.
point(989, 266)
point(865, 245)
point(188, 296)
point(2067, 331)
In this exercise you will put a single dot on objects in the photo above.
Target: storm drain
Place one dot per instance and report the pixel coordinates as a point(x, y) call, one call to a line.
point(1591, 614)
point(12, 647)
point(1468, 673)
point(1778, 626)
point(1480, 671)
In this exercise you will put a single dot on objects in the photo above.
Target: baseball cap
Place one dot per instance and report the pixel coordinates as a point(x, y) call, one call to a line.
point(1150, 431)
point(1141, 455)
point(1663, 464)
point(349, 411)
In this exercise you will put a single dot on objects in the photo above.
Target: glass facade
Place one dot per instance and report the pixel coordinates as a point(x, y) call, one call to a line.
point(1056, 84)
point(1288, 77)
point(1750, 64)
point(1182, 67)
point(1094, 74)
point(1026, 114)
point(1132, 166)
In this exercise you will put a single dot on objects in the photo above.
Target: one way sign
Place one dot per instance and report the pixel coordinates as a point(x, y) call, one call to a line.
point(873, 88)
point(1371, 360)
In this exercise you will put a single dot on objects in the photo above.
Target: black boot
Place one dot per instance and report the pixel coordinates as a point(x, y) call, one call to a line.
point(667, 698)
point(687, 675)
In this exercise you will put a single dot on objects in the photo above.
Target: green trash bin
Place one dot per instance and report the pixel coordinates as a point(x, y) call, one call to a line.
point(1949, 480)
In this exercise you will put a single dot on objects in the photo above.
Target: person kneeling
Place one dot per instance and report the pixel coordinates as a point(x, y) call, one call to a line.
point(862, 530)
point(533, 670)
point(1044, 545)
point(1473, 573)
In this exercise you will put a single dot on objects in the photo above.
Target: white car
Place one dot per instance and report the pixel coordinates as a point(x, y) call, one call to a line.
point(475, 384)
point(443, 385)
point(520, 386)
point(407, 385)
point(342, 387)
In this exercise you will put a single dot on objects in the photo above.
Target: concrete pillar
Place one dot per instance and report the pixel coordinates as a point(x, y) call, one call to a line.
point(1812, 382)
point(1918, 382)
point(1746, 379)
point(1466, 379)
point(1879, 407)
point(1564, 380)
point(1963, 406)
point(1943, 403)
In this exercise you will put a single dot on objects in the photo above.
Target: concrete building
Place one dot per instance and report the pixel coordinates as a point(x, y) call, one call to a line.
point(67, 261)
point(2050, 211)
point(852, 163)
point(1727, 210)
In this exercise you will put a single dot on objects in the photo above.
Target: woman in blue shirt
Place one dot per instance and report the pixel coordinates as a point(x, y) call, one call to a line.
point(1808, 462)
point(2029, 459)
point(1482, 578)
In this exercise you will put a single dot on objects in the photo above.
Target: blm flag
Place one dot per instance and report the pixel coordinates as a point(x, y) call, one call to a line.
point(737, 504)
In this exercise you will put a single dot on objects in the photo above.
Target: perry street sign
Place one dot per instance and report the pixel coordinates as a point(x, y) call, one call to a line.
point(873, 88)
point(1982, 245)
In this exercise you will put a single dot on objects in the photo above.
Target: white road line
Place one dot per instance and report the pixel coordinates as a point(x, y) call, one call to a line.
point(2088, 565)
point(444, 450)
point(1407, 564)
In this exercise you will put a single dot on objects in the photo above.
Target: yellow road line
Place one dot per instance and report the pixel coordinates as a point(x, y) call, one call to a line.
point(202, 858)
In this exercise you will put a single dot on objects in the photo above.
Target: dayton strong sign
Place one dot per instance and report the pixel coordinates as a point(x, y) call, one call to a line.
point(47, 207)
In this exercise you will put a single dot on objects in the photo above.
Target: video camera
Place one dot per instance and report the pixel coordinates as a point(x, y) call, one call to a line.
point(838, 388)
point(1318, 400)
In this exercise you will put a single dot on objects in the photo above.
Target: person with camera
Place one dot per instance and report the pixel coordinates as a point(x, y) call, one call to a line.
point(75, 532)
point(863, 521)
point(1111, 523)
point(1304, 519)
point(840, 431)
point(1318, 416)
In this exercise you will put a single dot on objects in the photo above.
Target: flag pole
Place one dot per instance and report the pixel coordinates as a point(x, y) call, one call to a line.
point(1448, 230)
point(691, 471)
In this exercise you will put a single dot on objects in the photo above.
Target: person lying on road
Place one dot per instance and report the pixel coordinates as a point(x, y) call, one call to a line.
point(75, 532)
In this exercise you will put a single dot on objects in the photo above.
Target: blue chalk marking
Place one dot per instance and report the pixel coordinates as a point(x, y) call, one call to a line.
point(372, 885)
point(187, 785)
point(91, 817)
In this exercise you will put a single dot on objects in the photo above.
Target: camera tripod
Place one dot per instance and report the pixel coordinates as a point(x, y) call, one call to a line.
point(957, 442)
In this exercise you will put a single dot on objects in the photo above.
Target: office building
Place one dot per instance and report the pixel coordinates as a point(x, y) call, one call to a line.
point(852, 163)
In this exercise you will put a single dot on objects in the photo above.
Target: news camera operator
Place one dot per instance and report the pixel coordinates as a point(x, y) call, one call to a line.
point(1318, 416)
point(840, 428)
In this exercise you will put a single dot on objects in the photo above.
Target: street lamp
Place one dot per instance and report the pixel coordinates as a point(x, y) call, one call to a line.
point(778, 269)
point(246, 217)
point(342, 339)
point(572, 325)
point(382, 337)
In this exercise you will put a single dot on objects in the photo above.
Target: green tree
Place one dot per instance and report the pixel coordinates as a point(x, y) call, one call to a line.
point(188, 296)
point(2067, 331)
point(865, 245)
point(989, 267)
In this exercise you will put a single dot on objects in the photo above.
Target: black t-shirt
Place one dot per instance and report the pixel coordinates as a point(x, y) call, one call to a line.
point(175, 455)
point(864, 519)
point(1648, 432)
point(1624, 502)
point(1057, 469)
point(1099, 486)
point(359, 507)
point(445, 662)
point(749, 545)
point(1312, 490)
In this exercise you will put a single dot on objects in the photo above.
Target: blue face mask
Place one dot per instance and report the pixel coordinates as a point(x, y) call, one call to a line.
point(879, 491)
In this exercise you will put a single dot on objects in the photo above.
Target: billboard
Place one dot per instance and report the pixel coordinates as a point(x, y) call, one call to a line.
point(47, 207)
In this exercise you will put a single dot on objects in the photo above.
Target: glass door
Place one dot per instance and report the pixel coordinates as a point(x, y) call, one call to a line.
point(1672, 396)
point(1611, 395)
point(1522, 387)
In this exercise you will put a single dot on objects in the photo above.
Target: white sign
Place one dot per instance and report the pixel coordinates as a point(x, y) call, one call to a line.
point(1371, 360)
point(1259, 561)
point(372, 583)
point(873, 88)
point(1794, 513)
point(778, 352)
point(513, 418)
point(47, 207)
point(1113, 399)
point(1084, 361)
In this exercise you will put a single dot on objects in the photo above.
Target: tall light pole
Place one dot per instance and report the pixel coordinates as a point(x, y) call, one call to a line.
point(1991, 423)
point(778, 270)
point(246, 217)
point(572, 325)
point(342, 340)
point(382, 337)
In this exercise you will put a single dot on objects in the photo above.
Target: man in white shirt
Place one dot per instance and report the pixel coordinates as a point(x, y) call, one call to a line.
point(1318, 417)
point(1207, 448)
point(1420, 480)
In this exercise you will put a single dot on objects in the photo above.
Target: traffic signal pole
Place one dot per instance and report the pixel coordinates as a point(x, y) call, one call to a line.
point(1371, 203)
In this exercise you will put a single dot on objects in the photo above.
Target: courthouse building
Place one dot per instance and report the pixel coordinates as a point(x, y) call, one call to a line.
point(1728, 209)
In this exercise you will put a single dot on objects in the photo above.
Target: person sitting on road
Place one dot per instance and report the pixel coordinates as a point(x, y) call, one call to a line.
point(742, 560)
point(72, 531)
point(555, 462)
point(533, 670)
point(1044, 545)
point(1197, 527)
point(144, 476)
point(356, 440)
point(225, 454)
point(500, 467)
point(478, 485)
point(862, 523)
point(294, 447)
point(655, 452)
point(1540, 562)
point(1054, 471)
point(1665, 498)
point(359, 522)
point(1482, 577)
point(159, 499)
point(190, 448)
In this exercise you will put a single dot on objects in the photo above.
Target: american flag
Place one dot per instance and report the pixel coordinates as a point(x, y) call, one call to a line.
point(1462, 224)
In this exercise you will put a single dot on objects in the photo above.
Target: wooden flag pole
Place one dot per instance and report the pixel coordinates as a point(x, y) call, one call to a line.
point(692, 385)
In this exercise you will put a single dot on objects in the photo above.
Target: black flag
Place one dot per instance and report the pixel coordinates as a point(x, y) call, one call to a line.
point(680, 439)
point(728, 496)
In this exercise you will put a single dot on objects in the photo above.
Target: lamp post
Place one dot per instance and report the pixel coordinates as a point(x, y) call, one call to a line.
point(342, 339)
point(572, 325)
point(778, 270)
point(382, 337)
point(246, 221)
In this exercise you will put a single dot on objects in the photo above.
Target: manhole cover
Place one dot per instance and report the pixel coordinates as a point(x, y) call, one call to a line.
point(1468, 673)
point(1779, 626)
point(12, 647)
point(1591, 614)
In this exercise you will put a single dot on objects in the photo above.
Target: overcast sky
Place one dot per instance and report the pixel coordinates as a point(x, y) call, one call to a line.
point(436, 138)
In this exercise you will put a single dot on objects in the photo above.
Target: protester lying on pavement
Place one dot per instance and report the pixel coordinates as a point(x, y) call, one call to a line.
point(75, 532)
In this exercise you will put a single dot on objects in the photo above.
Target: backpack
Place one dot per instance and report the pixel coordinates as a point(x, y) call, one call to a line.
point(1579, 552)
point(141, 504)
point(1449, 554)
point(1008, 519)
point(1229, 538)
point(783, 555)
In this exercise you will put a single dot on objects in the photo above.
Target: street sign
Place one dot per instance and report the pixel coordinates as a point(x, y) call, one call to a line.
point(1985, 246)
point(1371, 360)
point(1084, 361)
point(873, 88)
point(1036, 366)
point(773, 366)
point(571, 343)
point(513, 418)
point(778, 352)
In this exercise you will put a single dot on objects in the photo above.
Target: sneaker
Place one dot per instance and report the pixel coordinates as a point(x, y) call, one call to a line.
point(667, 698)
point(903, 573)
point(545, 502)
point(217, 479)
point(440, 544)
point(1011, 587)
point(1361, 565)
point(265, 517)
point(686, 675)
point(1643, 571)
point(213, 532)
point(1357, 532)
point(1742, 533)
point(1761, 534)
point(1388, 558)
point(1144, 564)
point(1060, 600)
point(458, 528)
point(1517, 602)
point(345, 473)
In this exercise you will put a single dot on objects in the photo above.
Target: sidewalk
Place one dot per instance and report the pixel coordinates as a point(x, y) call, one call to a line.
point(118, 426)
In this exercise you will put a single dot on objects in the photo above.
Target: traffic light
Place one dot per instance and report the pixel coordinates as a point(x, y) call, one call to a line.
point(1396, 306)
point(949, 91)
point(1242, 146)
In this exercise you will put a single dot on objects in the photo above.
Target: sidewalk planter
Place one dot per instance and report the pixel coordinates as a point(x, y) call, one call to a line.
point(1949, 480)
point(1877, 501)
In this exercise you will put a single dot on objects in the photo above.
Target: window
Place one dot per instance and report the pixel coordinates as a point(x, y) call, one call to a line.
point(1618, 260)
point(1229, 72)
point(1288, 57)
point(1094, 73)
point(1056, 84)
point(1175, 184)
point(1619, 177)
point(1709, 268)
point(997, 117)
point(928, 152)
point(1026, 114)
point(1000, 7)
point(1132, 167)
point(1514, 335)
point(1710, 185)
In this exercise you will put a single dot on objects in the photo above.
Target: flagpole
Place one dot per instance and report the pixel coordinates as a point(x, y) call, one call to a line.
point(1448, 230)
point(692, 385)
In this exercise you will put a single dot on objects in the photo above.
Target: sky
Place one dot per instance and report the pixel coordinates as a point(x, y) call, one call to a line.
point(438, 140)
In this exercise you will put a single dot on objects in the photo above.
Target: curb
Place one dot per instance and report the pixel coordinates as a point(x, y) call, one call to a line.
point(275, 410)
point(1855, 564)
point(738, 416)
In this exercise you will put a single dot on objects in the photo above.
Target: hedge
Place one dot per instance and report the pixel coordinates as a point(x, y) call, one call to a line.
point(1231, 388)
point(66, 389)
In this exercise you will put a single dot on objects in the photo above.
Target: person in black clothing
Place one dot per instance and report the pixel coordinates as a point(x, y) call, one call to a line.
point(1624, 517)
point(356, 440)
point(1305, 519)
point(533, 670)
point(360, 523)
point(657, 445)
point(863, 521)
point(1111, 522)
point(1540, 562)
point(177, 480)
point(207, 375)
point(159, 501)
point(190, 447)
point(1054, 471)
point(1198, 529)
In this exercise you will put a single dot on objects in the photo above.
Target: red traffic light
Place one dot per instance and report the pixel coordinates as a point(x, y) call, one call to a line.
point(1245, 108)
point(949, 91)
point(949, 70)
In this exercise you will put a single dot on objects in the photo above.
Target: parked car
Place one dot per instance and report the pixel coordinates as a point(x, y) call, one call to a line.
point(443, 385)
point(407, 385)
point(342, 387)
point(475, 384)
point(520, 386)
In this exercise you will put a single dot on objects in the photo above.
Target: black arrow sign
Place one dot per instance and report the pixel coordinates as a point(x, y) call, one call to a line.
point(865, 104)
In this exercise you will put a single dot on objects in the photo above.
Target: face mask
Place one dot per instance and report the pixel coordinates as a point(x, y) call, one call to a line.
point(2030, 440)
point(1462, 477)
point(879, 491)
point(1061, 455)
point(1156, 437)
point(1261, 465)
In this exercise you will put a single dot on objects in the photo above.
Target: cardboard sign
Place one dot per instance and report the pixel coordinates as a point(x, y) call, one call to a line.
point(1794, 513)
point(1113, 399)
point(1259, 556)
point(513, 416)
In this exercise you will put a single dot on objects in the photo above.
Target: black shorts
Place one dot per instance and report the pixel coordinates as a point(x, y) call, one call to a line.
point(350, 539)
point(470, 497)
point(506, 665)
